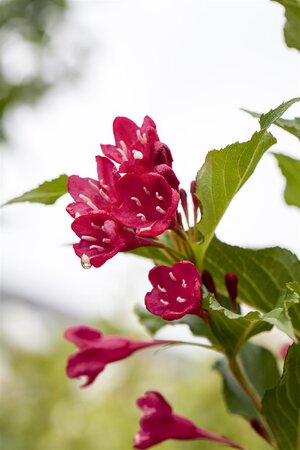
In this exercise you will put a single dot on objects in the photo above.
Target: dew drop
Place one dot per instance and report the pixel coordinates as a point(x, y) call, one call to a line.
point(85, 262)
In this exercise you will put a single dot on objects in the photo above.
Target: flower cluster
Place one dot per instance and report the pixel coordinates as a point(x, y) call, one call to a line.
point(129, 205)
point(133, 201)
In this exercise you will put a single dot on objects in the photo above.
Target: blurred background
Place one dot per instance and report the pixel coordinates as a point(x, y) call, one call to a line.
point(67, 68)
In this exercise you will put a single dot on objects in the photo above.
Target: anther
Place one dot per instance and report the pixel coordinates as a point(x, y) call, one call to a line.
point(91, 183)
point(142, 217)
point(88, 201)
point(164, 302)
point(172, 276)
point(161, 289)
point(88, 238)
point(96, 227)
point(183, 284)
point(136, 200)
point(146, 190)
point(142, 139)
point(160, 210)
point(97, 247)
point(158, 196)
point(106, 240)
point(102, 183)
point(103, 195)
point(180, 299)
point(137, 154)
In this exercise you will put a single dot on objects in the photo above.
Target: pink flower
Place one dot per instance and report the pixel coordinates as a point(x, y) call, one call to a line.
point(176, 291)
point(96, 351)
point(147, 203)
point(160, 423)
point(101, 237)
point(137, 149)
point(93, 195)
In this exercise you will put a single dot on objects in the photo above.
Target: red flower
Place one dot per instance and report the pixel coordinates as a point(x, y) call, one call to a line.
point(176, 291)
point(148, 203)
point(137, 149)
point(160, 423)
point(101, 237)
point(92, 195)
point(96, 351)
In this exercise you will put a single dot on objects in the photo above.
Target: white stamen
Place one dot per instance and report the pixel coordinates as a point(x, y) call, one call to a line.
point(161, 289)
point(142, 217)
point(91, 183)
point(137, 154)
point(160, 210)
point(102, 183)
point(123, 150)
point(103, 228)
point(145, 229)
point(88, 238)
point(88, 201)
point(146, 190)
point(183, 283)
point(172, 276)
point(164, 302)
point(136, 200)
point(142, 139)
point(124, 147)
point(96, 227)
point(106, 241)
point(180, 299)
point(158, 196)
point(103, 195)
point(97, 247)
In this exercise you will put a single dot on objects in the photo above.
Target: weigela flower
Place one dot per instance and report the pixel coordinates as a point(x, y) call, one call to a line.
point(147, 203)
point(93, 195)
point(137, 149)
point(96, 351)
point(159, 423)
point(101, 237)
point(176, 291)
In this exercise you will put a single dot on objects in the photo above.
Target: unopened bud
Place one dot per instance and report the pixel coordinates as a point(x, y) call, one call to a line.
point(231, 282)
point(193, 194)
point(209, 283)
point(257, 426)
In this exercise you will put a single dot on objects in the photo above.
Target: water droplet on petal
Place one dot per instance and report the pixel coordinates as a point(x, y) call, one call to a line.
point(85, 261)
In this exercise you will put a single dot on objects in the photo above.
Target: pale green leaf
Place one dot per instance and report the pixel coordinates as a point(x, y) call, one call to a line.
point(262, 274)
point(290, 125)
point(266, 120)
point(292, 26)
point(221, 177)
point(290, 169)
point(281, 405)
point(46, 193)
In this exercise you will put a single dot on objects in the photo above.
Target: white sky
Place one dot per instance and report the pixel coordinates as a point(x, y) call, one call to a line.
point(190, 65)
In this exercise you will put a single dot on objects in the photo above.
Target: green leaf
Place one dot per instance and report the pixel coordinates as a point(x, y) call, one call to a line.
point(281, 405)
point(262, 274)
point(154, 323)
point(233, 330)
point(292, 300)
point(261, 369)
point(153, 253)
point(290, 169)
point(291, 126)
point(292, 26)
point(46, 193)
point(221, 177)
point(266, 120)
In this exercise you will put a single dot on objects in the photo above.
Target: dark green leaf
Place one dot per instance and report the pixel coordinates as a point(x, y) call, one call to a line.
point(262, 274)
point(153, 323)
point(292, 26)
point(261, 370)
point(292, 300)
point(46, 193)
point(281, 405)
point(290, 169)
point(221, 177)
point(233, 330)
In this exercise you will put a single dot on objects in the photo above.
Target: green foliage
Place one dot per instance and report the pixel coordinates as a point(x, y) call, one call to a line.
point(290, 125)
point(222, 176)
point(281, 405)
point(291, 297)
point(154, 253)
point(262, 274)
point(263, 375)
point(154, 323)
point(290, 169)
point(266, 120)
point(292, 26)
point(46, 193)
